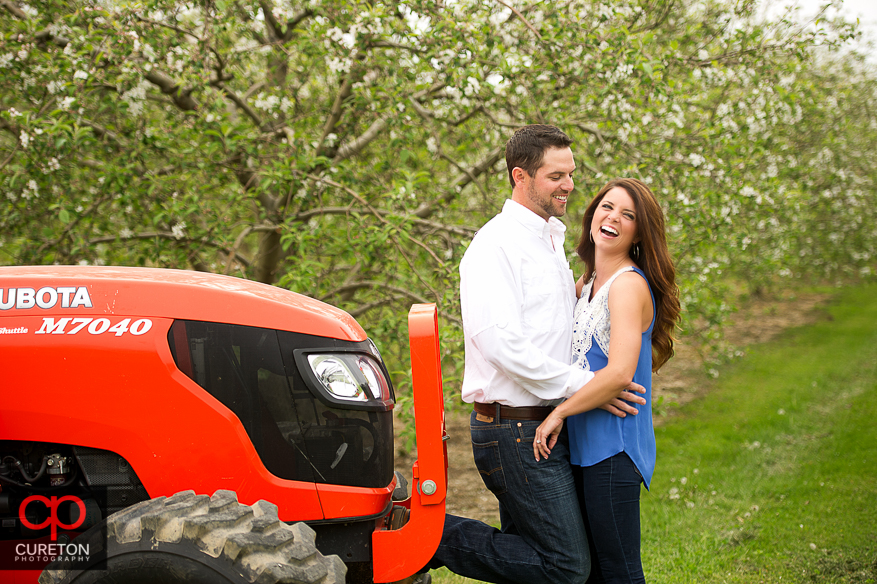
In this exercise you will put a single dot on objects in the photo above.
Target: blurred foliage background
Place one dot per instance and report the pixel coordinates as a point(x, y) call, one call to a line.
point(349, 149)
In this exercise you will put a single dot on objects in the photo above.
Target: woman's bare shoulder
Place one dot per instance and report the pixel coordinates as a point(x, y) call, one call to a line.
point(629, 286)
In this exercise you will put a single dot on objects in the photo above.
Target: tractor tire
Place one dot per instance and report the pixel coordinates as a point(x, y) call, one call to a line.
point(196, 539)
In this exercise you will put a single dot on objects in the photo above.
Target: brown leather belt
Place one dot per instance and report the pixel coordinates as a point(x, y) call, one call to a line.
point(533, 413)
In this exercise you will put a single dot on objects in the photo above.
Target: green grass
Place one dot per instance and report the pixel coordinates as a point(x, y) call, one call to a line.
point(772, 477)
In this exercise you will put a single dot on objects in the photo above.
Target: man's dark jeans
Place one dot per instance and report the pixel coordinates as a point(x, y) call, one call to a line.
point(542, 539)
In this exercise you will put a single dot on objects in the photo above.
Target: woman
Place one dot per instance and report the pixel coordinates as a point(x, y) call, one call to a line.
point(629, 274)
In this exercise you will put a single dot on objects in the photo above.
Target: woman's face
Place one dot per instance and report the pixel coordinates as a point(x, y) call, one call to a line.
point(614, 226)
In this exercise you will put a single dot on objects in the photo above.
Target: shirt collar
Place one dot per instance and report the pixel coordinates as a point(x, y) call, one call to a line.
point(532, 221)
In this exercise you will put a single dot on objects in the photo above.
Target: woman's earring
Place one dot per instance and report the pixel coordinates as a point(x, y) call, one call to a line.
point(635, 252)
point(591, 234)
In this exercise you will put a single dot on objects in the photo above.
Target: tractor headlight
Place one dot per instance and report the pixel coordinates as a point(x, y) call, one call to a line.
point(335, 375)
point(350, 377)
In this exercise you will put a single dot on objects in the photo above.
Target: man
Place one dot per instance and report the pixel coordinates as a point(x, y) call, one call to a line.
point(518, 295)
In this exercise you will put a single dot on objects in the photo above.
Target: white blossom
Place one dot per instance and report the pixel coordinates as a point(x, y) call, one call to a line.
point(696, 159)
point(51, 166)
point(149, 52)
point(80, 74)
point(267, 103)
point(136, 97)
point(417, 23)
point(337, 65)
point(179, 230)
point(472, 87)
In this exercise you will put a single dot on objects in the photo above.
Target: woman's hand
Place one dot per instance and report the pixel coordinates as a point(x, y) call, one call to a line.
point(546, 435)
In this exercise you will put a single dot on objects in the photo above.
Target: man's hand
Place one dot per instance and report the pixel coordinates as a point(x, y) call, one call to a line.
point(620, 407)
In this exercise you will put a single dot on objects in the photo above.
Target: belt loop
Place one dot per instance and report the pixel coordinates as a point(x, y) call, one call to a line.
point(496, 404)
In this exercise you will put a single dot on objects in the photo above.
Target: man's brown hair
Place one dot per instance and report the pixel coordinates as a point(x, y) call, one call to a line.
point(526, 148)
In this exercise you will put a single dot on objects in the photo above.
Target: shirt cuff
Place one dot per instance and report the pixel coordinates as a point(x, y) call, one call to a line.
point(577, 379)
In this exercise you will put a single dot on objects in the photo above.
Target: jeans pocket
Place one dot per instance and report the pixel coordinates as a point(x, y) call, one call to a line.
point(489, 464)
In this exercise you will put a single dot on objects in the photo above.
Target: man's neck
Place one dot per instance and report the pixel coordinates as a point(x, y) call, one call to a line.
point(521, 199)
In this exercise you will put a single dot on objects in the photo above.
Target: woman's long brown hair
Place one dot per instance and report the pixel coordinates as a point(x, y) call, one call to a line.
point(653, 259)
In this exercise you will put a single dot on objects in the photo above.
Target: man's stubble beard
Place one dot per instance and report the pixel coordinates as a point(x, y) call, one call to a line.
point(547, 205)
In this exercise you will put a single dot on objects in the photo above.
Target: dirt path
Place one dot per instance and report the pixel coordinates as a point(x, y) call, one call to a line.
point(683, 379)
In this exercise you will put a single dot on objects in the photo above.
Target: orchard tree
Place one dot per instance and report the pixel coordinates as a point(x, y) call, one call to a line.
point(350, 149)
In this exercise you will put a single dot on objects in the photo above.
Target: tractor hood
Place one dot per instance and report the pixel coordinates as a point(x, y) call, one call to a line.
point(162, 293)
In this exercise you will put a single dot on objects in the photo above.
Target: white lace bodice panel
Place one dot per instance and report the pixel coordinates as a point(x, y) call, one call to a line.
point(591, 321)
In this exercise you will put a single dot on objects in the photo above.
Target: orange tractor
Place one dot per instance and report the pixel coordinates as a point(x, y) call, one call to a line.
point(174, 426)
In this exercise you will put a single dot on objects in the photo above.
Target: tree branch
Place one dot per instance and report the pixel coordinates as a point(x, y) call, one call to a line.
point(375, 285)
point(465, 171)
point(662, 16)
point(521, 16)
point(15, 10)
point(335, 115)
point(428, 208)
point(460, 230)
point(182, 97)
point(102, 132)
point(72, 225)
point(168, 26)
point(45, 36)
point(390, 45)
point(497, 122)
point(377, 215)
point(10, 157)
point(251, 113)
point(276, 30)
point(355, 147)
point(271, 23)
point(357, 312)
point(295, 21)
point(170, 236)
point(10, 127)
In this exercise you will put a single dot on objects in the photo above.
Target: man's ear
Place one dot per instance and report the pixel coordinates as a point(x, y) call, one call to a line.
point(519, 174)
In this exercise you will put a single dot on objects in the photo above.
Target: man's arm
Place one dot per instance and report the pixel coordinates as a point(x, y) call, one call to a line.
point(492, 300)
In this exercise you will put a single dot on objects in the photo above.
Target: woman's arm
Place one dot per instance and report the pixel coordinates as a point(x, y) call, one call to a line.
point(629, 305)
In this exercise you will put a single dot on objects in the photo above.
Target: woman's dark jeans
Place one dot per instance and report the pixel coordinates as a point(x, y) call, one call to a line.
point(609, 492)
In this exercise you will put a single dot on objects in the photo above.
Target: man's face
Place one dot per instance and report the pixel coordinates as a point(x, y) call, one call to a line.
point(546, 193)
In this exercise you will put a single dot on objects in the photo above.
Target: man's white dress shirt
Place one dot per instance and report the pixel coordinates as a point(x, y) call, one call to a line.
point(517, 294)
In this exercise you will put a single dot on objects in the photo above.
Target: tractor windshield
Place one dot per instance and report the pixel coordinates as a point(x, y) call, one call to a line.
point(316, 409)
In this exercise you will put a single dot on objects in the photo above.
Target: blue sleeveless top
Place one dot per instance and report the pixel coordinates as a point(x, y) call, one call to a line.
point(597, 435)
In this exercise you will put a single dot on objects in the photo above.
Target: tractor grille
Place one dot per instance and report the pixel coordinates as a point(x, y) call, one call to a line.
point(120, 485)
